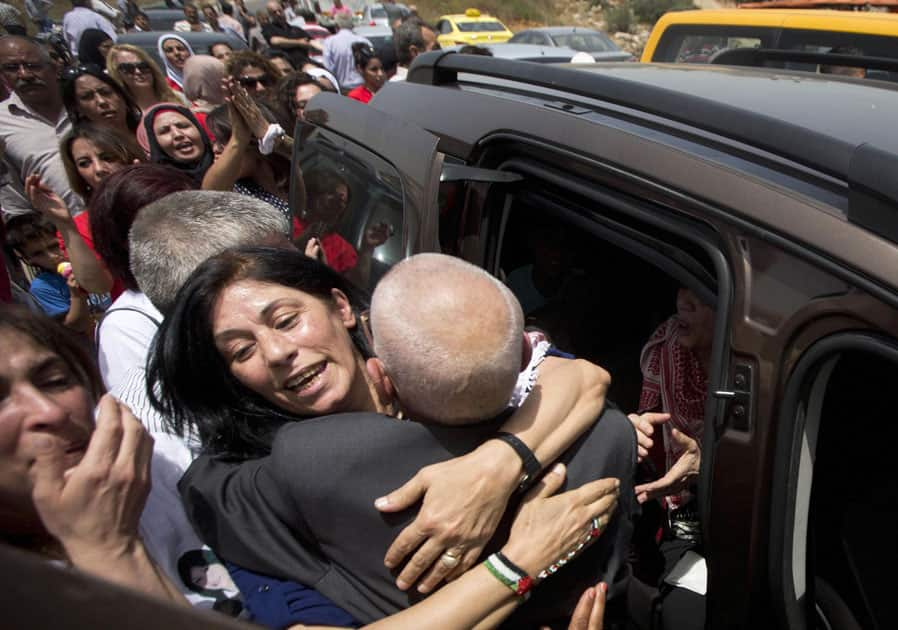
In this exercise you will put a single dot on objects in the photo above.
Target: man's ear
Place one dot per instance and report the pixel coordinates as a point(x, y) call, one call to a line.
point(413, 51)
point(344, 308)
point(526, 351)
point(381, 381)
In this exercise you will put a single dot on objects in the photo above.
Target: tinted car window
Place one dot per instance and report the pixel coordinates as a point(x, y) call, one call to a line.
point(366, 194)
point(695, 43)
point(587, 42)
point(479, 27)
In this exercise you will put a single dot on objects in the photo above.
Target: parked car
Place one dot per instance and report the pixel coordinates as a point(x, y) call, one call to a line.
point(599, 45)
point(529, 52)
point(471, 28)
point(199, 42)
point(733, 182)
point(164, 19)
point(377, 35)
point(377, 15)
point(694, 36)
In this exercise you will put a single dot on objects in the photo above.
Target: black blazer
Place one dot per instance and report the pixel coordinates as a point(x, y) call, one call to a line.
point(306, 512)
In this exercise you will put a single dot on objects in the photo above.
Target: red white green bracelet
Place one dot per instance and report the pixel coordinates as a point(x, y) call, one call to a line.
point(509, 574)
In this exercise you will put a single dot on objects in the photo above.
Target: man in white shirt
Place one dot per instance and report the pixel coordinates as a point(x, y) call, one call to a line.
point(32, 123)
point(192, 23)
point(338, 52)
point(81, 18)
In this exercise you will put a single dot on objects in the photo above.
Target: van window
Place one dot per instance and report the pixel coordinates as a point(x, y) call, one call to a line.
point(351, 200)
point(696, 43)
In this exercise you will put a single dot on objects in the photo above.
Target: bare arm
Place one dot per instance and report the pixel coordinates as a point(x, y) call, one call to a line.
point(286, 42)
point(464, 498)
point(77, 317)
point(225, 171)
point(91, 273)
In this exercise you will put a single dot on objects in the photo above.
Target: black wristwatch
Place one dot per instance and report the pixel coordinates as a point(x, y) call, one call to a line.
point(531, 465)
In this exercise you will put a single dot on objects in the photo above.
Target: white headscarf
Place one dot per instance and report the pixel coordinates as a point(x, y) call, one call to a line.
point(170, 71)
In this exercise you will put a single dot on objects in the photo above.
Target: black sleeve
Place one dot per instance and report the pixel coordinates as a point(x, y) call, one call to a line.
point(240, 511)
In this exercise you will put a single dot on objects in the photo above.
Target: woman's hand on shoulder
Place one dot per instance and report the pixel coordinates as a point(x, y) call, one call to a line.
point(464, 500)
point(549, 528)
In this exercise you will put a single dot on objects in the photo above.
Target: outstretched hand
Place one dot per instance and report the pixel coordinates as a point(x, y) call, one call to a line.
point(681, 474)
point(249, 112)
point(644, 424)
point(45, 201)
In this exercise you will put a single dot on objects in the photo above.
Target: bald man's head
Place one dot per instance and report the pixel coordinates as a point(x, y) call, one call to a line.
point(450, 338)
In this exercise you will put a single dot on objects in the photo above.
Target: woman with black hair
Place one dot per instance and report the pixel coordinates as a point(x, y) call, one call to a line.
point(89, 94)
point(94, 46)
point(171, 135)
point(370, 67)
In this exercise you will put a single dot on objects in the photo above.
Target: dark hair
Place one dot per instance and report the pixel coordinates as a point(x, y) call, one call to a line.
point(124, 149)
point(196, 390)
point(227, 8)
point(196, 558)
point(71, 76)
point(245, 58)
point(115, 204)
point(89, 47)
point(362, 54)
point(219, 42)
point(273, 53)
point(24, 228)
point(470, 49)
point(407, 35)
point(57, 339)
point(286, 92)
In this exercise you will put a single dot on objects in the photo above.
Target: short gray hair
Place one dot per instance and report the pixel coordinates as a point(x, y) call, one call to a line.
point(449, 335)
point(171, 237)
point(343, 20)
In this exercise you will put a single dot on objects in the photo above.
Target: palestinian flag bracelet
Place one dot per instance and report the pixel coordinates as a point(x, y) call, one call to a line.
point(509, 574)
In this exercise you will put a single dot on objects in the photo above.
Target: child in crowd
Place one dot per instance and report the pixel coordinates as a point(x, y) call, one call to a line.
point(33, 239)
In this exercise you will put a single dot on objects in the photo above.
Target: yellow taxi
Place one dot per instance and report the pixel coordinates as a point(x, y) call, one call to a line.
point(471, 28)
point(695, 36)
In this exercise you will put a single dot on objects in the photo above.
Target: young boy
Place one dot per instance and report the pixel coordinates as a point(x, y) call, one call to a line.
point(33, 239)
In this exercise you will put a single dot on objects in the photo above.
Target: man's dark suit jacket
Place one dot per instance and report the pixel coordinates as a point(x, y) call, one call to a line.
point(306, 512)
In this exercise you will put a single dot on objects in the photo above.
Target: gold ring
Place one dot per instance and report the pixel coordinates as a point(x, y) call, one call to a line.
point(449, 560)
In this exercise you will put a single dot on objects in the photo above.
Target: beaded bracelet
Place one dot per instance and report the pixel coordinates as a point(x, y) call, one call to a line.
point(509, 574)
point(594, 530)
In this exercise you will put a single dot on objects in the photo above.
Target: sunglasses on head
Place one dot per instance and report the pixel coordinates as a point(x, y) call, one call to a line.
point(249, 82)
point(72, 73)
point(133, 68)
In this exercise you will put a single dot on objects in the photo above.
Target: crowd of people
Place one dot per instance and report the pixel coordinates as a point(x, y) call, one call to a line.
point(203, 398)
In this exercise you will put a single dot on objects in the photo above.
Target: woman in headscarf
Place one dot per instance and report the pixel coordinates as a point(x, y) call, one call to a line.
point(171, 135)
point(139, 75)
point(174, 52)
point(94, 47)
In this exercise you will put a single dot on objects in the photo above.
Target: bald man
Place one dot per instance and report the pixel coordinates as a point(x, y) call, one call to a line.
point(32, 123)
point(306, 512)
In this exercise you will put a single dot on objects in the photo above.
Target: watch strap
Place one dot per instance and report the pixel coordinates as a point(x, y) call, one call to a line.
point(530, 464)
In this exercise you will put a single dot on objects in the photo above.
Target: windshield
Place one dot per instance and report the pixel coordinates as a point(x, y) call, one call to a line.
point(587, 42)
point(378, 13)
point(479, 27)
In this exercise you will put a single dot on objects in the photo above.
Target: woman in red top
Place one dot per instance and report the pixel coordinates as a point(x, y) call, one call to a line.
point(89, 155)
point(372, 70)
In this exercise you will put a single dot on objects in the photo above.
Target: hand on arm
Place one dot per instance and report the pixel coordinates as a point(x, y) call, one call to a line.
point(545, 529)
point(93, 276)
point(465, 498)
point(78, 317)
point(94, 508)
